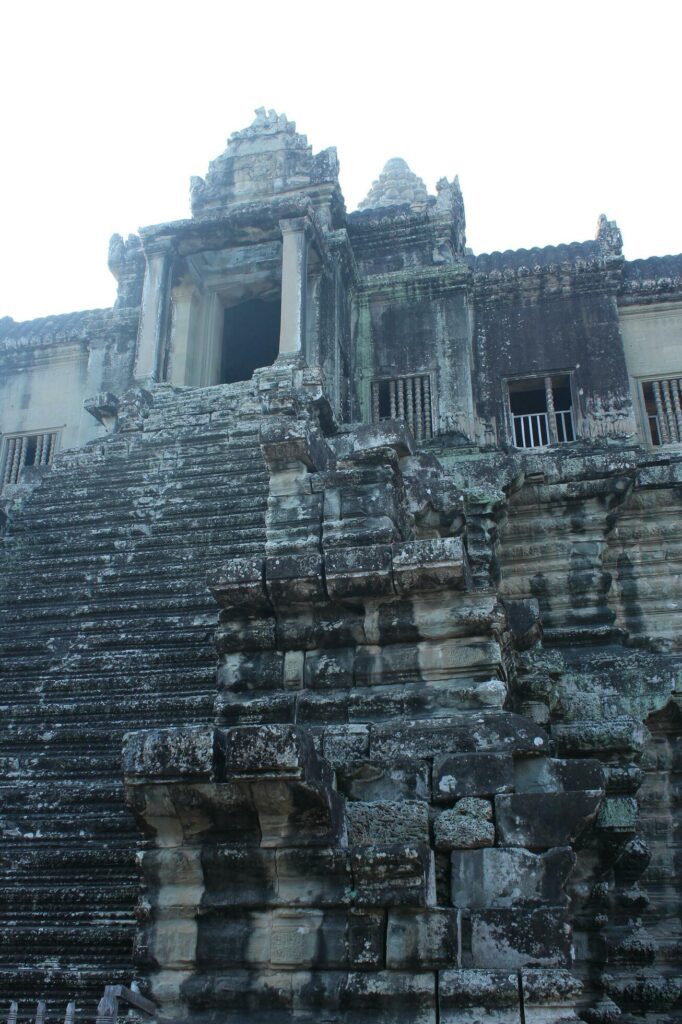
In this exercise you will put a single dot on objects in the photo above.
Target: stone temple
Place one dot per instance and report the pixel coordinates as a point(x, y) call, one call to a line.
point(341, 617)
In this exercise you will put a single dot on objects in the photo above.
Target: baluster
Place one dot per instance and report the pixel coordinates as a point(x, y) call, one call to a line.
point(70, 1015)
point(40, 441)
point(40, 1013)
point(13, 1013)
point(391, 398)
point(375, 401)
point(401, 397)
point(669, 411)
point(50, 451)
point(107, 1008)
point(409, 385)
point(664, 434)
point(428, 412)
point(16, 461)
point(9, 458)
point(552, 436)
point(677, 403)
point(419, 430)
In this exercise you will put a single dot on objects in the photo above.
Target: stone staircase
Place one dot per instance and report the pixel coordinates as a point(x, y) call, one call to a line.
point(107, 626)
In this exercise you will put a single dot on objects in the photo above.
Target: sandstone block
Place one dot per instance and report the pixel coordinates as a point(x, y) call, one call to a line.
point(453, 831)
point(190, 752)
point(496, 877)
point(474, 732)
point(616, 735)
point(393, 875)
point(554, 775)
point(328, 670)
point(268, 750)
point(618, 814)
point(421, 939)
point(459, 775)
point(240, 583)
point(358, 572)
point(396, 821)
point(294, 579)
point(520, 938)
point(435, 564)
point(313, 876)
point(393, 780)
point(474, 807)
point(473, 996)
point(366, 931)
point(540, 820)
point(344, 743)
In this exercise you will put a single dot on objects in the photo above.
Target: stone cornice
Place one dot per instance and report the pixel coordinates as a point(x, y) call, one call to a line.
point(67, 329)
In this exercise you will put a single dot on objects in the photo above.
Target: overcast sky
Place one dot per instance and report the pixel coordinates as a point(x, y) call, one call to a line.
point(550, 113)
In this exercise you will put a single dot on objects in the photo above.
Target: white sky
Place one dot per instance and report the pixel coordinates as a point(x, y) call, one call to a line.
point(551, 113)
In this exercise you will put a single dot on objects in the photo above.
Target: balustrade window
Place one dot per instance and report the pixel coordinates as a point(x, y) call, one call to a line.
point(408, 397)
point(21, 450)
point(541, 411)
point(663, 405)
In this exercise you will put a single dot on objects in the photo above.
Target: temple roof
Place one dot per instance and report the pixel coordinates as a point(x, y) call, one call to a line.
point(397, 185)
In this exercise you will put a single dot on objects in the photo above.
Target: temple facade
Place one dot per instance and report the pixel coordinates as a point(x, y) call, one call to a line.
point(342, 616)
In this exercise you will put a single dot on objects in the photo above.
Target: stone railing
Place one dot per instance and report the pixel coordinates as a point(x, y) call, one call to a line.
point(108, 1009)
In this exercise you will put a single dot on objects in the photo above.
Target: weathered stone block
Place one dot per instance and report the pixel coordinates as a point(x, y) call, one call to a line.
point(294, 579)
point(393, 780)
point(240, 583)
point(328, 670)
point(358, 572)
point(253, 672)
point(453, 830)
point(393, 875)
point(399, 821)
point(366, 932)
point(341, 744)
point(238, 876)
point(618, 814)
point(436, 564)
point(458, 775)
point(616, 735)
point(473, 996)
point(307, 938)
point(313, 877)
point(496, 877)
point(263, 750)
point(189, 752)
point(389, 996)
point(255, 633)
point(550, 996)
point(474, 732)
point(519, 938)
point(421, 939)
point(234, 937)
point(539, 820)
point(553, 775)
point(474, 807)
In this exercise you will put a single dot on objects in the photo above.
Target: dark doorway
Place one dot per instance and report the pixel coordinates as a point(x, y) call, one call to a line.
point(250, 339)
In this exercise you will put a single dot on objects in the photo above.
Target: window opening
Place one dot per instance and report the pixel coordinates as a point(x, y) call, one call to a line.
point(541, 411)
point(408, 397)
point(27, 450)
point(663, 404)
point(250, 339)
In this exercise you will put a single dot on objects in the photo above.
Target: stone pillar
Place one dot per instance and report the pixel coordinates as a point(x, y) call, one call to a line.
point(294, 281)
point(152, 314)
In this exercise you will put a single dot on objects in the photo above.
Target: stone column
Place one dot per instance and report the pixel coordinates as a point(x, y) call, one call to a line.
point(152, 314)
point(294, 281)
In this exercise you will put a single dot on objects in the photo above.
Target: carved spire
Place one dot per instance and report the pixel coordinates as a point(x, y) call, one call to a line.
point(397, 185)
point(609, 236)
